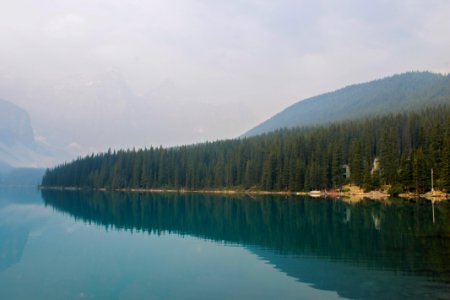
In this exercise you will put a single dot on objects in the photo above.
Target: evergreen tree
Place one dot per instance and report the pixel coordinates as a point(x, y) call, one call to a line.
point(408, 146)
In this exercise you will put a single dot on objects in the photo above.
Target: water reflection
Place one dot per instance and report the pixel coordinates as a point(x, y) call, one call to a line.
point(18, 215)
point(401, 236)
point(12, 244)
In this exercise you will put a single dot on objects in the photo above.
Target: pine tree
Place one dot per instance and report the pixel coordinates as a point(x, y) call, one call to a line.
point(445, 166)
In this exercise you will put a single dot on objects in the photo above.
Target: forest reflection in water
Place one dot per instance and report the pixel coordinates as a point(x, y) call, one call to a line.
point(409, 237)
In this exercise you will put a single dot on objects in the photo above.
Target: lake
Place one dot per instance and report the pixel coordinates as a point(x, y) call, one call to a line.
point(101, 245)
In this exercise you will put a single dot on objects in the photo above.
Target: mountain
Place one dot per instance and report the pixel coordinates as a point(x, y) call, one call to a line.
point(15, 125)
point(404, 92)
point(22, 177)
point(4, 167)
point(17, 143)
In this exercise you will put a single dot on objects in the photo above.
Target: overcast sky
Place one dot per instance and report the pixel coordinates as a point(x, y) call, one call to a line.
point(95, 74)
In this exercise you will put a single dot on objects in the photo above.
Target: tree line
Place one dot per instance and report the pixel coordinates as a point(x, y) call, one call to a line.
point(396, 149)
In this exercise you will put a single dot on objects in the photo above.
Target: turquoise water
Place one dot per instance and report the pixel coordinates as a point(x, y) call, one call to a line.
point(87, 245)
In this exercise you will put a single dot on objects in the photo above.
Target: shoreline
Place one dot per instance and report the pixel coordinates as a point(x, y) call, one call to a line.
point(354, 194)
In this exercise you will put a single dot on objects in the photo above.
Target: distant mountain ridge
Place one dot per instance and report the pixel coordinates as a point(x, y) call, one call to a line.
point(18, 148)
point(21, 177)
point(403, 92)
point(15, 125)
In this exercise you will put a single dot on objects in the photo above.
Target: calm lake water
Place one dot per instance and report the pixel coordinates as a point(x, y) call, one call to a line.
point(95, 245)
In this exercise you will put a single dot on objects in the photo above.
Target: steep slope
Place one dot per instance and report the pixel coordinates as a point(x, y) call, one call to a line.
point(15, 125)
point(4, 167)
point(404, 92)
point(17, 145)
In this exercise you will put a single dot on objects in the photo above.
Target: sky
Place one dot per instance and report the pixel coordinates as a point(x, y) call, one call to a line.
point(99, 74)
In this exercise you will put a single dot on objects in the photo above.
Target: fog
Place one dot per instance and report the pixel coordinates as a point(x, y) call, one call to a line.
point(99, 74)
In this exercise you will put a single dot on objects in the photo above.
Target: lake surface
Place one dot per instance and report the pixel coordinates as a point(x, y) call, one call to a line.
point(98, 245)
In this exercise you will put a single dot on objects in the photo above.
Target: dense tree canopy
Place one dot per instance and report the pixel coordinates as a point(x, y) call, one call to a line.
point(396, 149)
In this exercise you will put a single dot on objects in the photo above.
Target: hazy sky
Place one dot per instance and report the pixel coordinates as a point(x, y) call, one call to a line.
point(95, 74)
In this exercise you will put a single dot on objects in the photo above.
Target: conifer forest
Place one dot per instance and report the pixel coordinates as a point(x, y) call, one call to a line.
point(397, 149)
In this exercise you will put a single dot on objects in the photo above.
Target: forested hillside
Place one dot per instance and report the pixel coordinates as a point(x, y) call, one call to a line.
point(406, 145)
point(400, 93)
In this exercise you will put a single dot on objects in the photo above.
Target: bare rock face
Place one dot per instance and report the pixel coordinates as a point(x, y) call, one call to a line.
point(15, 126)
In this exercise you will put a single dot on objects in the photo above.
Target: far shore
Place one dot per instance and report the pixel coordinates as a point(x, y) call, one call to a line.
point(350, 193)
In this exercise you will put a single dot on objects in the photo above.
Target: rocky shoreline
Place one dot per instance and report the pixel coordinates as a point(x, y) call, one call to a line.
point(350, 192)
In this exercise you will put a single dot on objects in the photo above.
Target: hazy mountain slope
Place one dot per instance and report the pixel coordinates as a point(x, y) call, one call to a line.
point(408, 91)
point(4, 167)
point(17, 144)
point(22, 177)
point(15, 125)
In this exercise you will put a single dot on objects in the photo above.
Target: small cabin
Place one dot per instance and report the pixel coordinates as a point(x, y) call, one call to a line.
point(346, 171)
